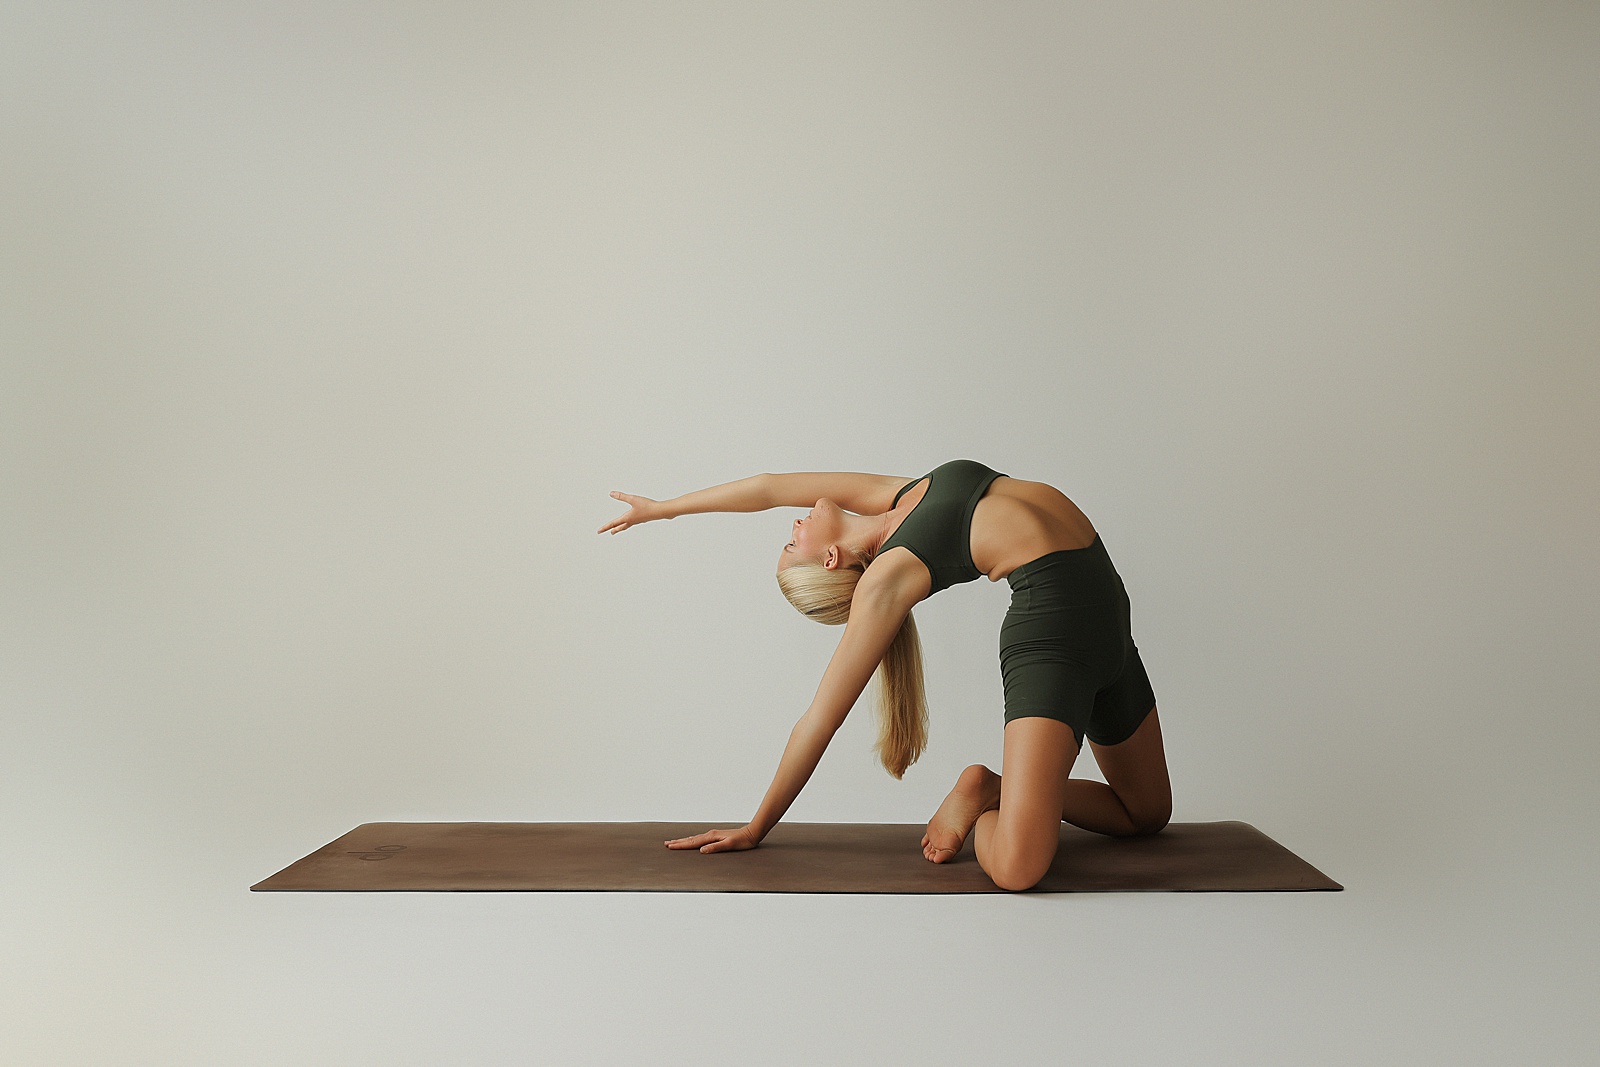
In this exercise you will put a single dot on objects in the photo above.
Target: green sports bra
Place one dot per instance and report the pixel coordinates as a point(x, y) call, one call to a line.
point(939, 529)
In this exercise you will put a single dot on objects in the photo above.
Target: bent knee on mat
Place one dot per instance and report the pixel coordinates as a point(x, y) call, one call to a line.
point(1150, 821)
point(1015, 874)
point(1016, 881)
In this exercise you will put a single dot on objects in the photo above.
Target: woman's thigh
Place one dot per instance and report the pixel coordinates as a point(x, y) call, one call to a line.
point(1039, 754)
point(1136, 770)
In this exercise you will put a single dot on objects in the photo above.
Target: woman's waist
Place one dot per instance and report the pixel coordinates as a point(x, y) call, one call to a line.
point(1063, 565)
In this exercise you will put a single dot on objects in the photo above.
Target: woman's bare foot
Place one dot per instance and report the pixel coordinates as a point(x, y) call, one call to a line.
point(975, 792)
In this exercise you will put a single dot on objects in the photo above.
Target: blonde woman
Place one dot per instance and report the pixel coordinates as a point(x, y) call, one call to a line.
point(874, 545)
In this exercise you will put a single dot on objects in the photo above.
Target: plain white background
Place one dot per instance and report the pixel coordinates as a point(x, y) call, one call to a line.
point(327, 328)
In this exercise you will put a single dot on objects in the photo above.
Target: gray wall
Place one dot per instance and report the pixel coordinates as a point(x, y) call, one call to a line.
point(327, 329)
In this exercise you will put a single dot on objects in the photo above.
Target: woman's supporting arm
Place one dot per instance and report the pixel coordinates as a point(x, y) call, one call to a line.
point(875, 617)
point(876, 613)
point(807, 742)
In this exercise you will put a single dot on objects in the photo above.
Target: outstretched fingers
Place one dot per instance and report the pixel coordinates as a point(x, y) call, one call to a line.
point(640, 509)
point(691, 842)
point(715, 841)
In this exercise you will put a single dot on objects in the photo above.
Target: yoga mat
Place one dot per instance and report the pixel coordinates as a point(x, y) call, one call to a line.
point(795, 857)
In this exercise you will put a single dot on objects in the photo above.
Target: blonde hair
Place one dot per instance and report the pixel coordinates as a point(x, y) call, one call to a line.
point(824, 595)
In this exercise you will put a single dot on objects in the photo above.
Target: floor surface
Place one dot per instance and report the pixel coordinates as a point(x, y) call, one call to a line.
point(1486, 966)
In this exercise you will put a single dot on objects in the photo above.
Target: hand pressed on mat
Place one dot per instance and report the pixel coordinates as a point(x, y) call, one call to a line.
point(719, 840)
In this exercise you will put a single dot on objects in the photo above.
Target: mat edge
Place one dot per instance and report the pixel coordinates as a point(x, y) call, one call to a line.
point(262, 886)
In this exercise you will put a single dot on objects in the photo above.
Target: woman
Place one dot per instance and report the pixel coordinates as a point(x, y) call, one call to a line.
point(874, 545)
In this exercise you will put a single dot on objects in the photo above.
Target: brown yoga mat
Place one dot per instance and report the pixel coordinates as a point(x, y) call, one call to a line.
point(793, 858)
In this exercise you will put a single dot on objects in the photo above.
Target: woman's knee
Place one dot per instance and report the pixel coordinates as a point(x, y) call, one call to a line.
point(1015, 872)
point(1150, 820)
point(1014, 879)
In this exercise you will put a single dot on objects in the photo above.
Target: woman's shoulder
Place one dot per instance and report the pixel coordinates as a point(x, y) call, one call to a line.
point(898, 571)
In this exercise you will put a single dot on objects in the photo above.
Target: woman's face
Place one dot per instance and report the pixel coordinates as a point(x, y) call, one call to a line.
point(813, 534)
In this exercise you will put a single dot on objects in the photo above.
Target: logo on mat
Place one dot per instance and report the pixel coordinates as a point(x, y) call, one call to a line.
point(382, 852)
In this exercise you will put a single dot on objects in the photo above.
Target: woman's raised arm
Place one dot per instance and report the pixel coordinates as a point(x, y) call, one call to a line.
point(864, 494)
point(746, 494)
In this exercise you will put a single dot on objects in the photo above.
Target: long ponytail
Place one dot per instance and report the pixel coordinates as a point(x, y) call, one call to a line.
point(826, 596)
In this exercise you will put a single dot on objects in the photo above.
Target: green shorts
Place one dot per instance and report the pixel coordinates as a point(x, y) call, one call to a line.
point(1066, 647)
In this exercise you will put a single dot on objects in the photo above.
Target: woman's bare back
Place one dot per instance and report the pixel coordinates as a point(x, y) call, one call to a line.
point(1014, 523)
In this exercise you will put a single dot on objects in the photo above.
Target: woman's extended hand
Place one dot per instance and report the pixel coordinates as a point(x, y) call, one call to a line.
point(640, 509)
point(718, 840)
